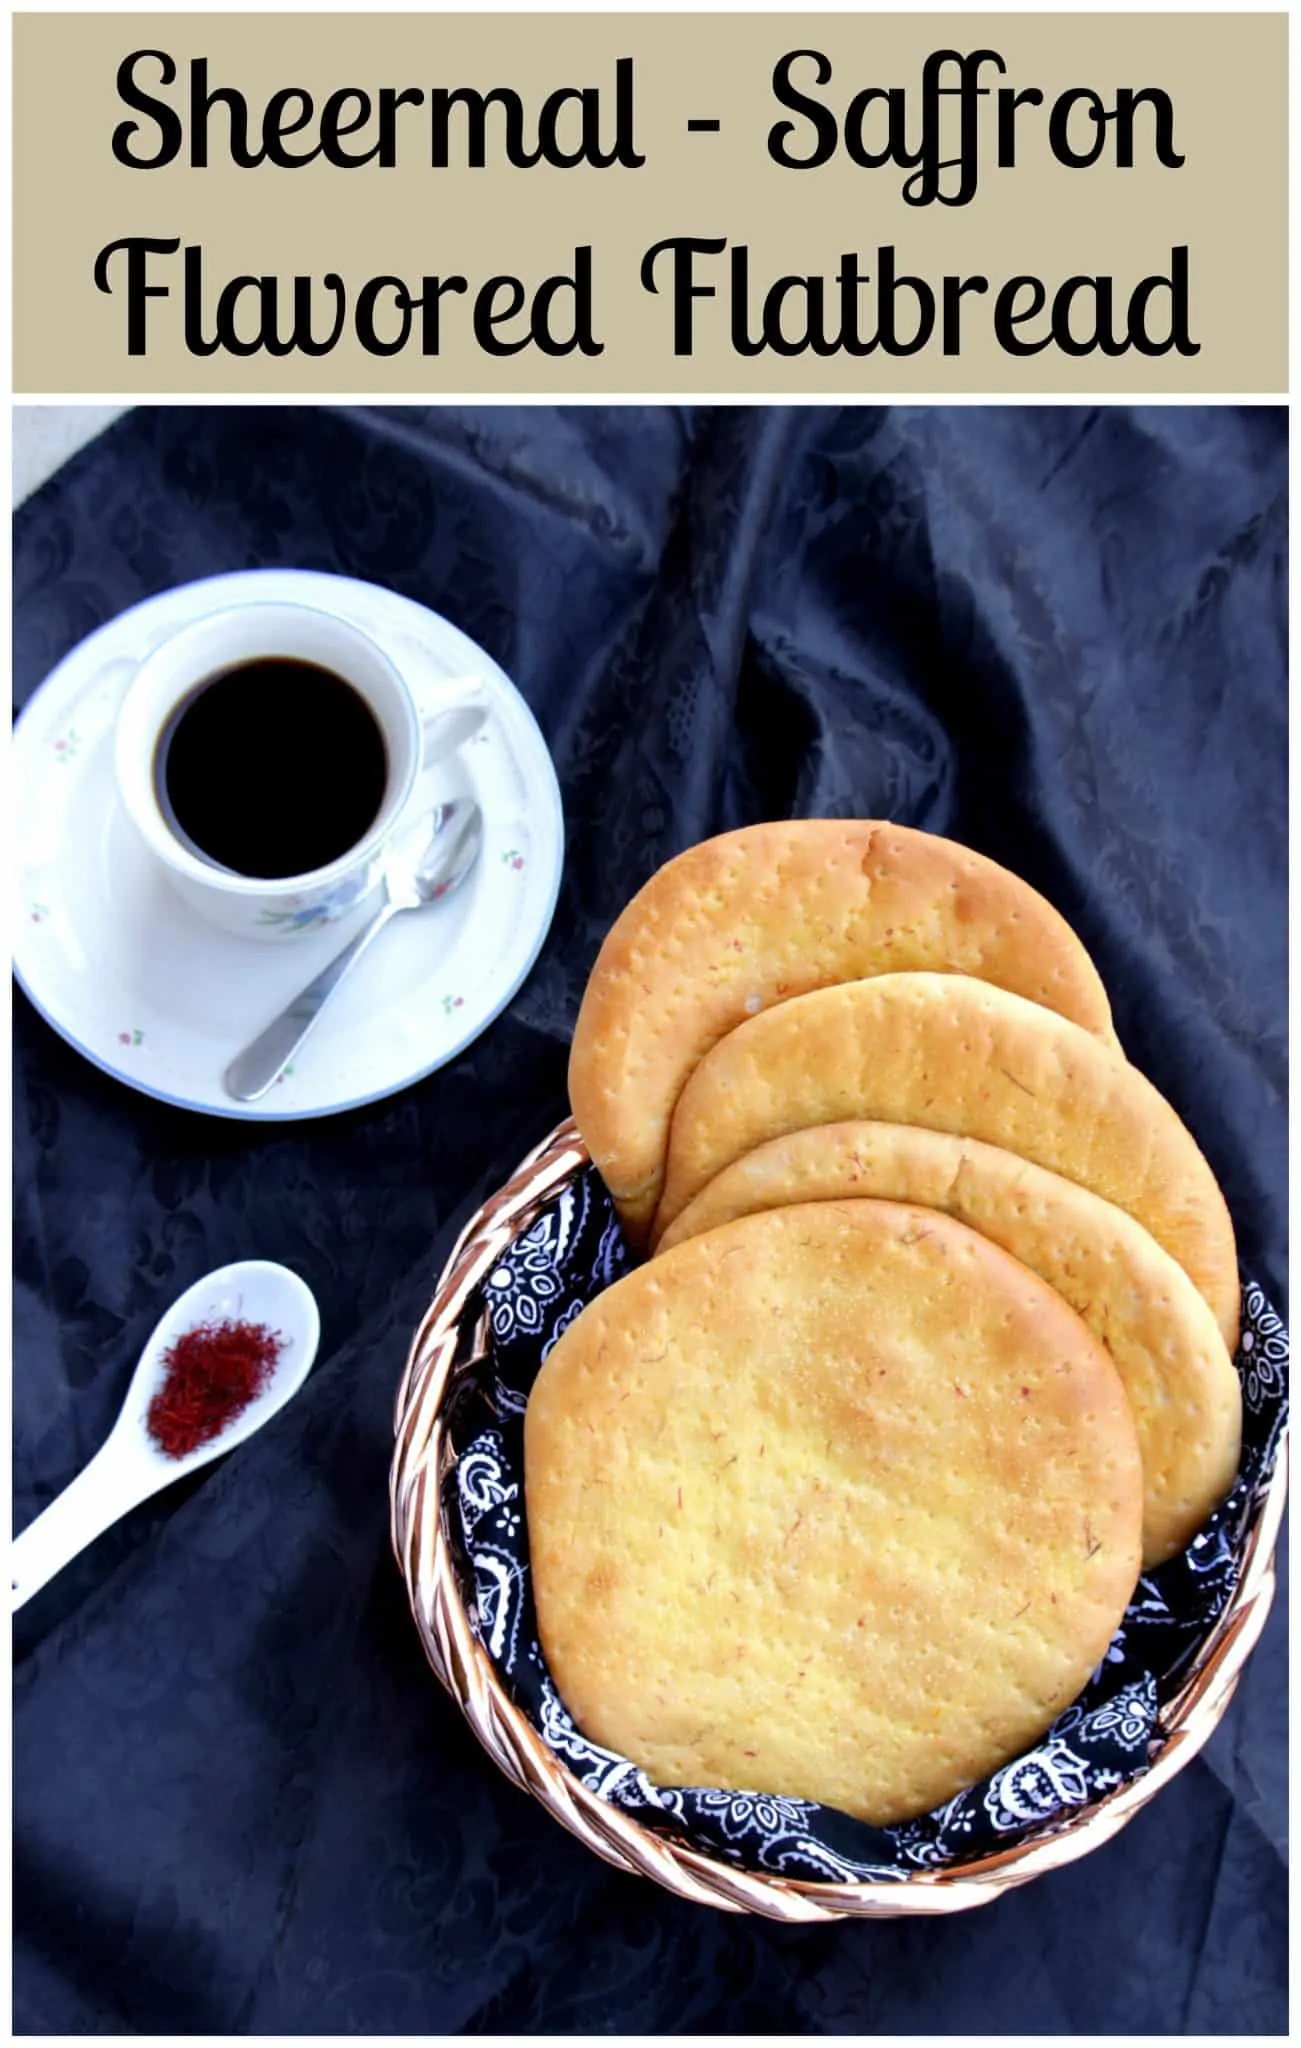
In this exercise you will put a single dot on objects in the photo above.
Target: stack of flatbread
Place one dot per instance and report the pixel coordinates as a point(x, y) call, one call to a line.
point(844, 1491)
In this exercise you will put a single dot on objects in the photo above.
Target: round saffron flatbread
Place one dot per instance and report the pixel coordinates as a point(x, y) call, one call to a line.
point(838, 1501)
point(1139, 1304)
point(953, 1054)
point(751, 918)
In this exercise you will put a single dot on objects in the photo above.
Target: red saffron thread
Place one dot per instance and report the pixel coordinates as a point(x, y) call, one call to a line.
point(212, 1372)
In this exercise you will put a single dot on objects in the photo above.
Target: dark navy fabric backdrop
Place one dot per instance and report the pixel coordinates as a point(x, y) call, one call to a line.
point(242, 1803)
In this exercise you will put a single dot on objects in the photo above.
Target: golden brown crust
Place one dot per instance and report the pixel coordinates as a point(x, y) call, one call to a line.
point(839, 1501)
point(753, 917)
point(949, 1053)
point(1137, 1301)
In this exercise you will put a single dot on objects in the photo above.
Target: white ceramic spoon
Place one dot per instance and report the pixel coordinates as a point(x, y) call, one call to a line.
point(130, 1466)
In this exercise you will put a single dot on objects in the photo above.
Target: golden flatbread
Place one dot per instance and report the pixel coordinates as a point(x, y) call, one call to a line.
point(838, 1501)
point(749, 919)
point(953, 1054)
point(1170, 1355)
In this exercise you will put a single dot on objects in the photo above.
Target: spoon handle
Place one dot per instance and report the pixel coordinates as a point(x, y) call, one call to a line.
point(91, 1503)
point(252, 1071)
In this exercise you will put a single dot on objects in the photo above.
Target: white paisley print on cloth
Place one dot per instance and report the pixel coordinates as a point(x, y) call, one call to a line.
point(481, 1482)
point(561, 1324)
point(492, 1524)
point(566, 1258)
point(1263, 1347)
point(520, 1291)
point(1129, 1715)
point(601, 1770)
point(1037, 1786)
point(743, 1813)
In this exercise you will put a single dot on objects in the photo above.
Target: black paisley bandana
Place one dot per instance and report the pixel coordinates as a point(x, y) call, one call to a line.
point(573, 1251)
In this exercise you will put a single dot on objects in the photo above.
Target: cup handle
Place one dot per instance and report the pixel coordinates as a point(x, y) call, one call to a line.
point(445, 729)
point(431, 690)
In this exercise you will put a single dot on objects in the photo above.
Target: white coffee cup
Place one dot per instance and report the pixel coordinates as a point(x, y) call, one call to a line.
point(193, 656)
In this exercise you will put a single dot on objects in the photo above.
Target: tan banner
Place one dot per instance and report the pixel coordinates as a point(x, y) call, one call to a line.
point(709, 203)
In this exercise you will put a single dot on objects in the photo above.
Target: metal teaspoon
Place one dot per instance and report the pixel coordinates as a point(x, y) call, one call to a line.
point(450, 850)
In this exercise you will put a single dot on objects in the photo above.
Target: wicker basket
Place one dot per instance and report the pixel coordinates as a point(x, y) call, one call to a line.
point(451, 1341)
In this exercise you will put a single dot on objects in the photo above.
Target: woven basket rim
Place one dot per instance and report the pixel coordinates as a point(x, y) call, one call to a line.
point(449, 1339)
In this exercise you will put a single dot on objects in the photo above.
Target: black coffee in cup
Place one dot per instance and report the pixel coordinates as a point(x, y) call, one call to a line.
point(272, 767)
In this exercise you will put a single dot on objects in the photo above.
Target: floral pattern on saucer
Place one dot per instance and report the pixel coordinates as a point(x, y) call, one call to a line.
point(307, 913)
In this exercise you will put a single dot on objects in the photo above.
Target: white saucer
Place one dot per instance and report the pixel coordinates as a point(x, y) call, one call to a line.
point(119, 966)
